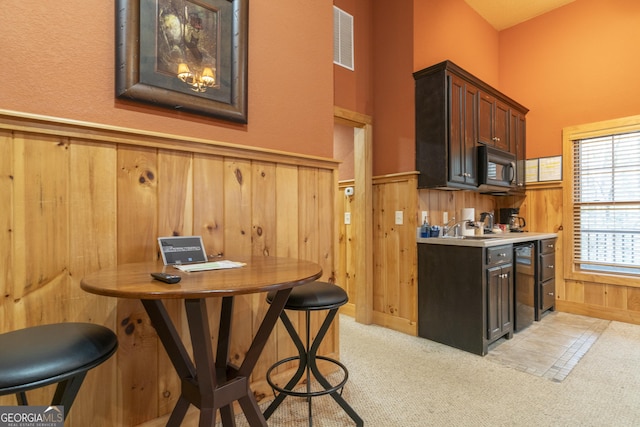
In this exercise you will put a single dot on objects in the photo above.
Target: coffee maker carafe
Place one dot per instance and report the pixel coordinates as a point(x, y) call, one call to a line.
point(516, 223)
point(509, 216)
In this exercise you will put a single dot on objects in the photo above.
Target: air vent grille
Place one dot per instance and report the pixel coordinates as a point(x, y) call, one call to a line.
point(342, 38)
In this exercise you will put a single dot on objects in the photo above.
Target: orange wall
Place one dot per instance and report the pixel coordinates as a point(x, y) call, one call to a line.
point(393, 119)
point(573, 65)
point(407, 37)
point(576, 64)
point(410, 36)
point(353, 88)
point(68, 51)
point(450, 29)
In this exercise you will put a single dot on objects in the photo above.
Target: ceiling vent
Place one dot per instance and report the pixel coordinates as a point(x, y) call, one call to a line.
point(342, 38)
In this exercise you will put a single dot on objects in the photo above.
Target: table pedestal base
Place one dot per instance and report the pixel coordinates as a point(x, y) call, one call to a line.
point(212, 383)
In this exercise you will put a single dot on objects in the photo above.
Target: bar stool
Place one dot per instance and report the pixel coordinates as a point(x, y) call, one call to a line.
point(311, 297)
point(59, 353)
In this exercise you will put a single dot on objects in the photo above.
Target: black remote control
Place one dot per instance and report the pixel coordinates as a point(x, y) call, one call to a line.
point(166, 277)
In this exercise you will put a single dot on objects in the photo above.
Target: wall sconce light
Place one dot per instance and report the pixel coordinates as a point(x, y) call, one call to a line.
point(198, 80)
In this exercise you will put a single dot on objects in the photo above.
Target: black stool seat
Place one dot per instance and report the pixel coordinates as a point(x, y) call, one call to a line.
point(58, 353)
point(314, 296)
point(310, 297)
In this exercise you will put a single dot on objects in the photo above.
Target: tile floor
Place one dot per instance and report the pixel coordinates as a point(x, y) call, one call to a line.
point(551, 347)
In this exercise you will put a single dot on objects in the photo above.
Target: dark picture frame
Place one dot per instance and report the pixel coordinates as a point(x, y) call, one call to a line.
point(150, 43)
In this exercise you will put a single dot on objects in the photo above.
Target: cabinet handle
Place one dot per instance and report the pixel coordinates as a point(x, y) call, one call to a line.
point(496, 139)
point(550, 294)
point(502, 255)
point(550, 266)
point(550, 246)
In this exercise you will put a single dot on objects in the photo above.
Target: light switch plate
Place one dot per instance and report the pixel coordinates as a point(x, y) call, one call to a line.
point(347, 218)
point(399, 218)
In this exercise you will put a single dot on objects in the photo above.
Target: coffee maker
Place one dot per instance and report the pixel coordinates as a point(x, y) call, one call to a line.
point(509, 216)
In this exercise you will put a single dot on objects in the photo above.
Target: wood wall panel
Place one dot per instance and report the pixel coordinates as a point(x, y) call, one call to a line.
point(394, 284)
point(208, 194)
point(7, 232)
point(92, 246)
point(345, 267)
point(79, 198)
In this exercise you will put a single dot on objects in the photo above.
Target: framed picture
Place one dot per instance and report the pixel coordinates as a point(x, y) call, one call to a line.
point(188, 55)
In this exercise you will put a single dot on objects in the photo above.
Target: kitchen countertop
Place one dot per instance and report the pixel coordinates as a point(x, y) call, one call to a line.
point(487, 240)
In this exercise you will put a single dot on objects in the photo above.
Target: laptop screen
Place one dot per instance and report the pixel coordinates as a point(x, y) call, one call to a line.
point(182, 250)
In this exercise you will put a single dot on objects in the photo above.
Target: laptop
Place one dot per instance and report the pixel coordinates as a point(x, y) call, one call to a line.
point(178, 250)
point(186, 253)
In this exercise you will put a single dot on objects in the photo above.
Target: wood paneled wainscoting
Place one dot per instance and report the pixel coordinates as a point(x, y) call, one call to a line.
point(77, 197)
point(395, 281)
point(543, 209)
point(394, 251)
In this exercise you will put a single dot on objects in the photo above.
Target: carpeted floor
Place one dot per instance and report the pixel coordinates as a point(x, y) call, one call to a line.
point(399, 380)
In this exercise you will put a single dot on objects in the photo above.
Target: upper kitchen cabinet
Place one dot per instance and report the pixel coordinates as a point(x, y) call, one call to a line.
point(493, 122)
point(455, 113)
point(517, 137)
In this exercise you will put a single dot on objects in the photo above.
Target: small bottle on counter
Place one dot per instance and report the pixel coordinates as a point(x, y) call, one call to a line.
point(425, 230)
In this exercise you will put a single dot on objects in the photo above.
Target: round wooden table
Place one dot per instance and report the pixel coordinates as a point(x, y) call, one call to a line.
point(207, 382)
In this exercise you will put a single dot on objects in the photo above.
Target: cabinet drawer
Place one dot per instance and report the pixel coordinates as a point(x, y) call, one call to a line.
point(547, 246)
point(499, 255)
point(547, 267)
point(547, 294)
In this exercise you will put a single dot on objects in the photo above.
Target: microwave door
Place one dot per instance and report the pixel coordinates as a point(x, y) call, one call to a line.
point(496, 169)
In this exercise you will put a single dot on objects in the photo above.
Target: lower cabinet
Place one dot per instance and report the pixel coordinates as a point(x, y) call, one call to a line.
point(465, 295)
point(546, 277)
point(499, 301)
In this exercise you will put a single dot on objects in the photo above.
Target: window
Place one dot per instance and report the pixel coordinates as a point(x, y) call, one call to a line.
point(605, 199)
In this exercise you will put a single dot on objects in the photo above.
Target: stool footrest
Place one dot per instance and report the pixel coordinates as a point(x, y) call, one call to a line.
point(311, 297)
point(324, 391)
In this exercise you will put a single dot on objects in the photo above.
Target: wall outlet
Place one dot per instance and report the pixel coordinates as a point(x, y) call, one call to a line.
point(347, 218)
point(399, 218)
point(445, 217)
point(424, 218)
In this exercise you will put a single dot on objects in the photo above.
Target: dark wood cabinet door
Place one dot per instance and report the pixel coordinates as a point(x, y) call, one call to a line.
point(485, 118)
point(493, 122)
point(499, 301)
point(471, 134)
point(494, 302)
point(506, 306)
point(457, 149)
point(517, 135)
point(500, 137)
point(462, 132)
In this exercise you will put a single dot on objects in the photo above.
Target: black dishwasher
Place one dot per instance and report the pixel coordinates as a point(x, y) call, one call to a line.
point(525, 282)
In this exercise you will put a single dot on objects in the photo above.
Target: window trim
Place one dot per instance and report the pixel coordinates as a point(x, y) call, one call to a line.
point(570, 134)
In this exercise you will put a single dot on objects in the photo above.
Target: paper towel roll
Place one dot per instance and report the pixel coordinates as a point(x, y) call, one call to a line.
point(468, 214)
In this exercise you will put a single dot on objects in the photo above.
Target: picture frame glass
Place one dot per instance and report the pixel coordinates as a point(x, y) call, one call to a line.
point(190, 32)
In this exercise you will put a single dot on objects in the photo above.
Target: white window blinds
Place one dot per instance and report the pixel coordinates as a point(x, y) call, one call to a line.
point(606, 203)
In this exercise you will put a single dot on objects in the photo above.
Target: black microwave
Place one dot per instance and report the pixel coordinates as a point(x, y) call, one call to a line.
point(496, 170)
